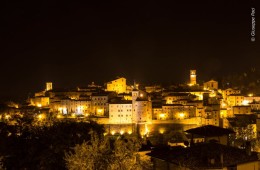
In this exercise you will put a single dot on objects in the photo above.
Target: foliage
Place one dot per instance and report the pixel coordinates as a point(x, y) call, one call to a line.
point(42, 147)
point(108, 153)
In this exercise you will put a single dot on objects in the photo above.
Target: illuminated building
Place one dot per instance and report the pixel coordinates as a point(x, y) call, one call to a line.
point(67, 106)
point(48, 86)
point(142, 111)
point(40, 101)
point(210, 85)
point(120, 112)
point(177, 111)
point(255, 106)
point(235, 100)
point(118, 85)
point(212, 115)
point(171, 97)
point(251, 98)
point(229, 91)
point(99, 104)
point(199, 94)
point(241, 110)
point(193, 77)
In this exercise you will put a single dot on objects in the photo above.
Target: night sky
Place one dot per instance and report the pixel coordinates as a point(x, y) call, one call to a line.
point(74, 44)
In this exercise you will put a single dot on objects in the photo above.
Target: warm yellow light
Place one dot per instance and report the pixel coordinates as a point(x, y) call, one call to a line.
point(146, 130)
point(121, 132)
point(40, 117)
point(129, 132)
point(162, 115)
point(7, 116)
point(59, 116)
point(113, 132)
point(161, 130)
point(73, 115)
point(181, 115)
point(99, 111)
point(245, 102)
point(141, 95)
point(86, 114)
point(250, 94)
point(39, 105)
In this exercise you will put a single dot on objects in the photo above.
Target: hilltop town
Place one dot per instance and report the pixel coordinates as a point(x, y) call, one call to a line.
point(162, 116)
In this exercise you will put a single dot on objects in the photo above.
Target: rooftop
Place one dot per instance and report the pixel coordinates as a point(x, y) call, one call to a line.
point(210, 131)
point(201, 155)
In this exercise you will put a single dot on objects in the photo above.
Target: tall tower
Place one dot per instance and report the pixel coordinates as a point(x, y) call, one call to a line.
point(193, 77)
point(48, 86)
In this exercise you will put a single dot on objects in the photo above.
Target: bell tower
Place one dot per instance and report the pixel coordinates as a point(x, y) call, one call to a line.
point(193, 77)
point(48, 86)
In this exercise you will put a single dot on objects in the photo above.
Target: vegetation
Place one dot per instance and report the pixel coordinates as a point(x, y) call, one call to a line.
point(105, 153)
point(42, 147)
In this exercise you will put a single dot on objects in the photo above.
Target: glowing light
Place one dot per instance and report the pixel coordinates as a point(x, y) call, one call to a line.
point(129, 132)
point(60, 109)
point(245, 102)
point(39, 105)
point(73, 115)
point(161, 130)
point(162, 115)
point(141, 95)
point(79, 109)
point(113, 132)
point(250, 94)
point(59, 116)
point(146, 130)
point(64, 110)
point(41, 116)
point(121, 132)
point(99, 111)
point(7, 116)
point(181, 115)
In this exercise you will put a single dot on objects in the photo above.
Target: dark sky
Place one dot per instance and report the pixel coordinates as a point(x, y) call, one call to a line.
point(73, 44)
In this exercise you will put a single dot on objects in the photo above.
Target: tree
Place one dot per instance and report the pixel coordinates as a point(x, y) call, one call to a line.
point(108, 153)
point(44, 147)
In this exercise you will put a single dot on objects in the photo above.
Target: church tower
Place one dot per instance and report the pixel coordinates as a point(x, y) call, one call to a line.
point(193, 77)
point(48, 86)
